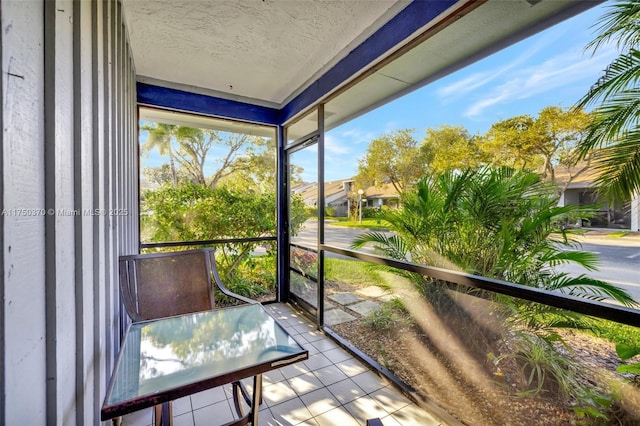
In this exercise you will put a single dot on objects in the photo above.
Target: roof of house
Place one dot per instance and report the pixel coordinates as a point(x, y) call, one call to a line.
point(332, 189)
point(584, 178)
point(385, 190)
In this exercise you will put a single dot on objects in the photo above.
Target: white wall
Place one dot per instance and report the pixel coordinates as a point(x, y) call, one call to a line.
point(635, 213)
point(68, 146)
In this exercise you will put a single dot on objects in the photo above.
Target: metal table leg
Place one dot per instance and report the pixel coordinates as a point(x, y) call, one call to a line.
point(257, 398)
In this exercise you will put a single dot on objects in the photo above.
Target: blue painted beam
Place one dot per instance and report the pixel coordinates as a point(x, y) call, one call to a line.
point(165, 97)
point(405, 23)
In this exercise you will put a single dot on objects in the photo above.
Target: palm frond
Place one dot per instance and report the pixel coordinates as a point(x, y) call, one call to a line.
point(585, 259)
point(620, 22)
point(616, 116)
point(590, 288)
point(622, 74)
point(392, 246)
point(618, 167)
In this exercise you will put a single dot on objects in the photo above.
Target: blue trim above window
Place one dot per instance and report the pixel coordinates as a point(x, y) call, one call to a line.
point(180, 100)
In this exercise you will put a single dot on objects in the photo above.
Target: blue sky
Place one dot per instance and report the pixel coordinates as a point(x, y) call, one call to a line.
point(550, 68)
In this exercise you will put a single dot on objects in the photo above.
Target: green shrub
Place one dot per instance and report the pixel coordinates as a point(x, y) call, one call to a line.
point(330, 211)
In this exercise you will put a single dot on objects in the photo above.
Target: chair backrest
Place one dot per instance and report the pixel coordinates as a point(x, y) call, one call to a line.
point(159, 285)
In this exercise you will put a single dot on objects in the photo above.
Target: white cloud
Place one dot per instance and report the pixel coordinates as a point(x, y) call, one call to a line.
point(562, 70)
point(478, 80)
point(334, 146)
point(356, 136)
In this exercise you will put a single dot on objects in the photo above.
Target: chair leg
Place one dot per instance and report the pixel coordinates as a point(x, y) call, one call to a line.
point(163, 414)
point(237, 402)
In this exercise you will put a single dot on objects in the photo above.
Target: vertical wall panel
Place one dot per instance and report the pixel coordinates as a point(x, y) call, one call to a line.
point(23, 188)
point(60, 203)
point(69, 167)
point(84, 223)
point(2, 341)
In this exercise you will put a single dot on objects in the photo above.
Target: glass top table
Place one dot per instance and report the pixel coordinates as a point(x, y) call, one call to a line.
point(166, 359)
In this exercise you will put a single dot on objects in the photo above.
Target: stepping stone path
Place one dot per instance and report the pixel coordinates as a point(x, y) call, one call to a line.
point(345, 298)
point(365, 308)
point(366, 300)
point(337, 316)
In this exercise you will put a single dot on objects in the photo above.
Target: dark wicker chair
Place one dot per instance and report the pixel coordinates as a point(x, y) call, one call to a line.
point(158, 285)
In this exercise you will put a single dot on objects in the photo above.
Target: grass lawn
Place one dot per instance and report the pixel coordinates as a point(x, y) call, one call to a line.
point(366, 223)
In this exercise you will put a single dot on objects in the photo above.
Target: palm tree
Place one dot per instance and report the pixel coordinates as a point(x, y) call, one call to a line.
point(614, 135)
point(497, 223)
point(160, 137)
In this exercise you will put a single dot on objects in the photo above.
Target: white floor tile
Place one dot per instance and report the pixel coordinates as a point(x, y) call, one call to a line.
point(337, 416)
point(337, 355)
point(277, 393)
point(294, 370)
point(139, 418)
point(291, 412)
point(365, 408)
point(346, 391)
point(317, 361)
point(208, 397)
point(181, 406)
point(369, 382)
point(325, 345)
point(305, 383)
point(272, 377)
point(183, 419)
point(351, 367)
point(320, 401)
point(218, 413)
point(330, 375)
point(313, 336)
point(390, 399)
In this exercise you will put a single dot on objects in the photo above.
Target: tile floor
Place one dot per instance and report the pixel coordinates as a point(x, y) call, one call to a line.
point(331, 388)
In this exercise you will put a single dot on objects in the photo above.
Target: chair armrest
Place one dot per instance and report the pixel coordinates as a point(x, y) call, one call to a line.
point(229, 293)
point(218, 281)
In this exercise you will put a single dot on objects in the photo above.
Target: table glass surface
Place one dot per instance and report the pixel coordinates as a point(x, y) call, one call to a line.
point(165, 354)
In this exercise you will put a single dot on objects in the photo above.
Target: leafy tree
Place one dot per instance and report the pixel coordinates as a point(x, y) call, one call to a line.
point(192, 212)
point(509, 143)
point(539, 143)
point(188, 149)
point(162, 175)
point(192, 150)
point(614, 132)
point(557, 132)
point(450, 148)
point(394, 158)
point(255, 170)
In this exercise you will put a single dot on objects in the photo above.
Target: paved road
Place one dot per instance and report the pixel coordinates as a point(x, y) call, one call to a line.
point(619, 263)
point(339, 236)
point(619, 257)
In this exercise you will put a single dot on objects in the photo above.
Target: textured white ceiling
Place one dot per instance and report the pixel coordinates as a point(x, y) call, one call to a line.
point(262, 50)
